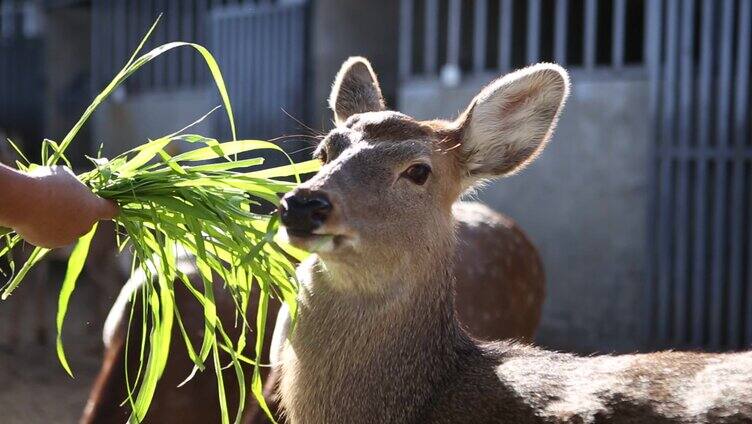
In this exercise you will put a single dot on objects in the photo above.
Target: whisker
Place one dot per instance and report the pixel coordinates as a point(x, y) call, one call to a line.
point(293, 137)
point(303, 149)
point(301, 123)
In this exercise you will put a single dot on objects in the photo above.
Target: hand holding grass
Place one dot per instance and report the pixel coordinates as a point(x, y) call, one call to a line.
point(200, 202)
point(50, 207)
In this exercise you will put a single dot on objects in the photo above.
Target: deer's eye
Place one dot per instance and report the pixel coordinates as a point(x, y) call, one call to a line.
point(417, 173)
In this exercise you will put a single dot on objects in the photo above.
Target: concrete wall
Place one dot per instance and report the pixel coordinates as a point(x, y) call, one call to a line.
point(126, 122)
point(344, 28)
point(584, 204)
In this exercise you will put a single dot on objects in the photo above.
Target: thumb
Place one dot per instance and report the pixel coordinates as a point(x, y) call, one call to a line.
point(107, 209)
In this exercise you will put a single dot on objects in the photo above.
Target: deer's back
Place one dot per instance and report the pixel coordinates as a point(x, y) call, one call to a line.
point(500, 277)
point(510, 383)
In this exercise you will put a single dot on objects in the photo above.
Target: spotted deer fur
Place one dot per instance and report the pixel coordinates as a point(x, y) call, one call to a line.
point(376, 337)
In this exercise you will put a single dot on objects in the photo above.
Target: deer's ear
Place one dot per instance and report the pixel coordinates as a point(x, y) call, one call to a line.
point(510, 121)
point(355, 90)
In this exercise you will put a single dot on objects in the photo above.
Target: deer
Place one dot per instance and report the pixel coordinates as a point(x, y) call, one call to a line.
point(377, 338)
point(497, 298)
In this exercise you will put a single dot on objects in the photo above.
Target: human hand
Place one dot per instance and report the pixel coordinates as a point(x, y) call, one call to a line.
point(59, 209)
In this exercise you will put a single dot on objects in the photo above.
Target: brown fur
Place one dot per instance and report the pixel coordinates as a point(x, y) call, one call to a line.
point(500, 299)
point(377, 338)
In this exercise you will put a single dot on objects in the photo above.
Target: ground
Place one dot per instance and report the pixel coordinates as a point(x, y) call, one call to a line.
point(34, 388)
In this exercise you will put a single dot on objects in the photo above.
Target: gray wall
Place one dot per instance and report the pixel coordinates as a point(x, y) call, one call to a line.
point(584, 204)
point(344, 28)
point(125, 122)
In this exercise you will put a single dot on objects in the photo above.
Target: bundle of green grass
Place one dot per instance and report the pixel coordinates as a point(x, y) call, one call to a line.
point(200, 202)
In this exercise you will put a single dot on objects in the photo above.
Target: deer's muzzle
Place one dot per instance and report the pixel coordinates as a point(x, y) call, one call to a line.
point(304, 211)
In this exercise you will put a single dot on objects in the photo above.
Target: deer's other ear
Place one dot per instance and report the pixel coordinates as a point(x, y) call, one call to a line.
point(510, 121)
point(355, 90)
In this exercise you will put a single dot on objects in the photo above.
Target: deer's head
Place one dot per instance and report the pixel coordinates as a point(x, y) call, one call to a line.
point(382, 201)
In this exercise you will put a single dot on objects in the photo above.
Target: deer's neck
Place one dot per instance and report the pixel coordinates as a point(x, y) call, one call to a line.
point(369, 354)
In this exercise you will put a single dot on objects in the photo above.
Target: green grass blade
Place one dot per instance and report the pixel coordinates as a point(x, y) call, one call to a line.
point(223, 150)
point(221, 385)
point(36, 255)
point(18, 151)
point(288, 170)
point(256, 384)
point(144, 155)
point(75, 265)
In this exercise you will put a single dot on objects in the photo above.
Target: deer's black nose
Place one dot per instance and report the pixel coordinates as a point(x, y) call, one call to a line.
point(303, 211)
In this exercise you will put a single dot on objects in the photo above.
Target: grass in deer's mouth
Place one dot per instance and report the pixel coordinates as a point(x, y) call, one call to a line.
point(199, 201)
point(311, 242)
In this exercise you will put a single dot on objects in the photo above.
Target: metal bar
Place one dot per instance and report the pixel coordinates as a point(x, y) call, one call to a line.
point(737, 315)
point(134, 33)
point(210, 32)
point(591, 16)
point(188, 18)
point(681, 236)
point(284, 66)
point(406, 38)
point(748, 312)
point(653, 42)
point(163, 36)
point(275, 95)
point(266, 73)
point(454, 33)
point(741, 130)
point(296, 55)
point(721, 138)
point(229, 49)
point(256, 78)
point(203, 17)
point(173, 59)
point(95, 55)
point(431, 39)
point(533, 30)
point(666, 175)
point(618, 39)
point(700, 289)
point(244, 45)
point(146, 12)
point(8, 19)
point(505, 35)
point(113, 55)
point(561, 23)
point(479, 35)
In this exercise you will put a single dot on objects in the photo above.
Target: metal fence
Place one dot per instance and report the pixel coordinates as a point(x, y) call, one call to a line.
point(119, 25)
point(506, 34)
point(262, 52)
point(21, 71)
point(700, 292)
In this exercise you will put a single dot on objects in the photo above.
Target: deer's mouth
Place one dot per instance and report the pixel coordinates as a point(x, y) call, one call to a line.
point(312, 242)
